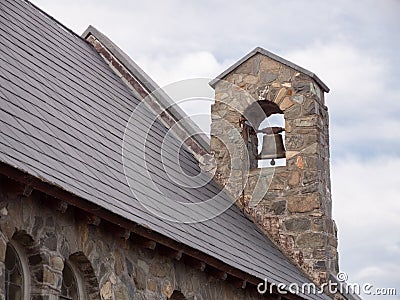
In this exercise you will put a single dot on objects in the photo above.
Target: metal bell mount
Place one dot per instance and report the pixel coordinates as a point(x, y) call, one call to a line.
point(272, 147)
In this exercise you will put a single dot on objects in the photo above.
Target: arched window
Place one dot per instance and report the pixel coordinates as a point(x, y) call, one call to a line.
point(69, 287)
point(16, 273)
point(14, 279)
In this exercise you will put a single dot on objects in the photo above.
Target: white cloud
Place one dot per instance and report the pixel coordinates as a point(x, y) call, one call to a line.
point(366, 209)
point(172, 72)
point(358, 79)
point(363, 104)
point(360, 186)
point(165, 69)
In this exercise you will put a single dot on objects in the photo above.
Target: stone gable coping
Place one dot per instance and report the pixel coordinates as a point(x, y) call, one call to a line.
point(137, 80)
point(274, 57)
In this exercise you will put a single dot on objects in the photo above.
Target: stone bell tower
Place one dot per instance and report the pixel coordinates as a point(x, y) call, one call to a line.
point(290, 203)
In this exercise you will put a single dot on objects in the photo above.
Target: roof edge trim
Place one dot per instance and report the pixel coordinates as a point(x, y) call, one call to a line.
point(150, 86)
point(275, 57)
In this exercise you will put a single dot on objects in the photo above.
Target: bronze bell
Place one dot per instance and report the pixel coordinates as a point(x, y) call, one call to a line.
point(272, 147)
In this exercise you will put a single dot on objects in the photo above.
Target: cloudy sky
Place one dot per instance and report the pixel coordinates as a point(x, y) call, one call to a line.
point(351, 45)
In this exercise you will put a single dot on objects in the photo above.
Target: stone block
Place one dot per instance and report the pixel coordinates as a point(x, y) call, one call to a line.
point(332, 241)
point(310, 121)
point(309, 177)
point(106, 291)
point(311, 107)
point(319, 254)
point(57, 263)
point(298, 224)
point(294, 179)
point(311, 149)
point(140, 279)
point(160, 269)
point(49, 276)
point(293, 112)
point(320, 265)
point(3, 248)
point(301, 204)
point(285, 74)
point(311, 188)
point(219, 97)
point(294, 142)
point(299, 162)
point(301, 87)
point(278, 207)
point(298, 99)
point(311, 162)
point(310, 240)
point(251, 79)
point(121, 292)
point(286, 103)
point(267, 64)
point(50, 241)
point(151, 285)
point(267, 77)
point(237, 78)
point(167, 289)
point(249, 67)
point(280, 95)
point(272, 93)
point(119, 265)
point(277, 183)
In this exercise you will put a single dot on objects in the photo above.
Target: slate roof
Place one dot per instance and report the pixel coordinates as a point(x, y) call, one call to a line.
point(275, 57)
point(63, 114)
point(163, 99)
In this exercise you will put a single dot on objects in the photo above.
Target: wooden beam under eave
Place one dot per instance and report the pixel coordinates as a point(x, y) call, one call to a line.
point(237, 282)
point(55, 204)
point(27, 190)
point(89, 218)
point(12, 186)
point(217, 274)
point(194, 263)
point(169, 252)
point(143, 241)
point(124, 233)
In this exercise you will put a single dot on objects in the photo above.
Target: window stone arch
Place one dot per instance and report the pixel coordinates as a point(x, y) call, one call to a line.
point(177, 295)
point(85, 275)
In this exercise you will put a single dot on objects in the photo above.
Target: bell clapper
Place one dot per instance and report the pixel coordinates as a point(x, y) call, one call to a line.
point(272, 162)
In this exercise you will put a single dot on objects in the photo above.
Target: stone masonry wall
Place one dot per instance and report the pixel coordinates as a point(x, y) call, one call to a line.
point(291, 203)
point(111, 267)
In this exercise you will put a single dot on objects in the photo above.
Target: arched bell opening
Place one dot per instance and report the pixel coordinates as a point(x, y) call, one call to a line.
point(271, 142)
point(268, 124)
